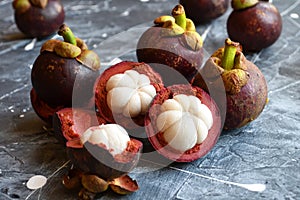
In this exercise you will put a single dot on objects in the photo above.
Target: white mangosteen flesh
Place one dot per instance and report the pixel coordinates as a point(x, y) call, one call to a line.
point(113, 137)
point(184, 121)
point(129, 93)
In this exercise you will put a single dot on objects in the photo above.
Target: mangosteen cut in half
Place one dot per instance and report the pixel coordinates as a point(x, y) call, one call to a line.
point(183, 123)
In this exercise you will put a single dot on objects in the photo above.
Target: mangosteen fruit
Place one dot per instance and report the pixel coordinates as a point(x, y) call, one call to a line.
point(254, 24)
point(173, 42)
point(123, 93)
point(38, 18)
point(63, 74)
point(105, 150)
point(203, 11)
point(245, 85)
point(183, 123)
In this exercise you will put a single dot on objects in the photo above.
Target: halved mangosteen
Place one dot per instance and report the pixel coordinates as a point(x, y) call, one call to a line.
point(124, 91)
point(106, 151)
point(183, 123)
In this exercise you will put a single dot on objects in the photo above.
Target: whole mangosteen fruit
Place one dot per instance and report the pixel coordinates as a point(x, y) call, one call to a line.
point(174, 42)
point(254, 24)
point(106, 151)
point(203, 11)
point(183, 123)
point(63, 74)
point(38, 18)
point(124, 91)
point(245, 85)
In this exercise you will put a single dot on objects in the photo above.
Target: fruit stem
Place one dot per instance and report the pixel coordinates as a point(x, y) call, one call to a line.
point(67, 34)
point(242, 4)
point(229, 54)
point(179, 14)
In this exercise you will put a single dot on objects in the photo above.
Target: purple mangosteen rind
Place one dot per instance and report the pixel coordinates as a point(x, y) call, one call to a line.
point(174, 42)
point(37, 18)
point(156, 137)
point(114, 166)
point(256, 26)
point(101, 93)
point(203, 11)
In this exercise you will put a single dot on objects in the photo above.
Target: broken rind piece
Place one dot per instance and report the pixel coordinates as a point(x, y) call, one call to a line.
point(185, 122)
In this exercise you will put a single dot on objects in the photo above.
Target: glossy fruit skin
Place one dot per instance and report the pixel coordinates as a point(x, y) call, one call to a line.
point(101, 93)
point(157, 50)
point(203, 11)
point(155, 137)
point(256, 27)
point(246, 106)
point(54, 78)
point(38, 22)
point(111, 168)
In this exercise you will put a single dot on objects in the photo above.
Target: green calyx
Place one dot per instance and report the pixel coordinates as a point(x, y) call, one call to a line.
point(179, 25)
point(177, 21)
point(231, 59)
point(242, 4)
point(72, 47)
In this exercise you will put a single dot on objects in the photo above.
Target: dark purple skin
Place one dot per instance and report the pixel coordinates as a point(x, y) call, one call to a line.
point(247, 105)
point(203, 11)
point(256, 27)
point(157, 50)
point(88, 163)
point(61, 81)
point(38, 22)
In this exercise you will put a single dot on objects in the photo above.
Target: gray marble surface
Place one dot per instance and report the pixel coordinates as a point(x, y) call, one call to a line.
point(267, 151)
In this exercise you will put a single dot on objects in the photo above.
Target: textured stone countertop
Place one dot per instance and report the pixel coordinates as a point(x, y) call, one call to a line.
point(267, 151)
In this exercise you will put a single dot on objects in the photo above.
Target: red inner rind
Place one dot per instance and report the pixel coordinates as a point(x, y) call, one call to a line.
point(70, 123)
point(156, 137)
point(101, 93)
point(41, 108)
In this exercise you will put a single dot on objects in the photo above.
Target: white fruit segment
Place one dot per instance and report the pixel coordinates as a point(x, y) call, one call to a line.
point(129, 93)
point(112, 136)
point(184, 121)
